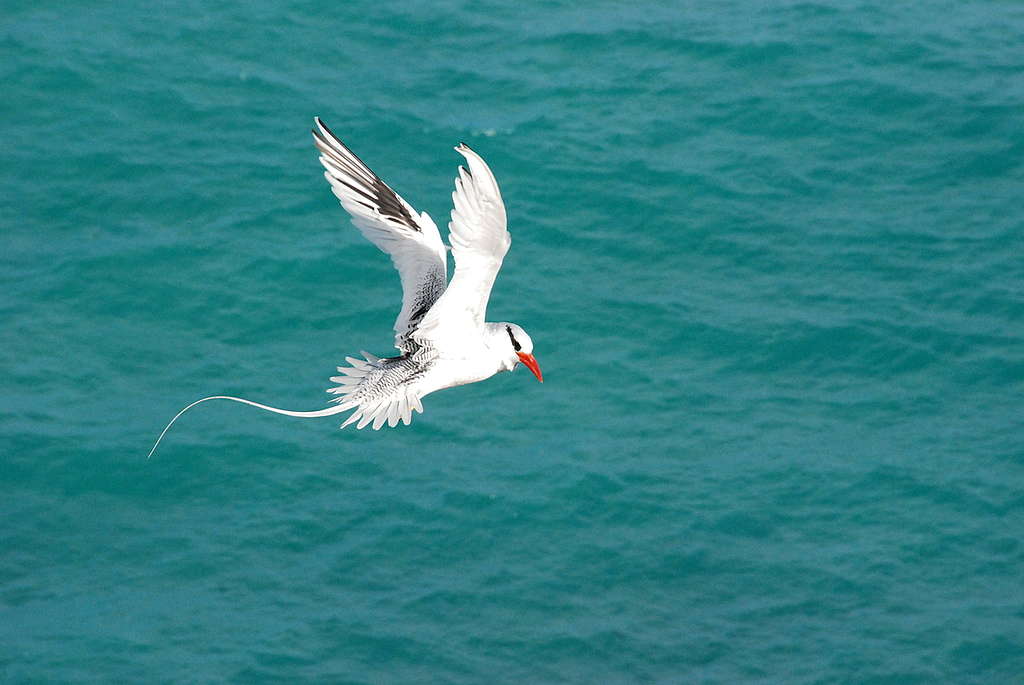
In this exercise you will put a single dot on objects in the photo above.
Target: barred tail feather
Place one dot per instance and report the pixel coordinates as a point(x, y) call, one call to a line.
point(376, 388)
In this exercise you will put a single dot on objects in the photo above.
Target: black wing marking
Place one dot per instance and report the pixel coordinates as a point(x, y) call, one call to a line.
point(360, 178)
point(390, 223)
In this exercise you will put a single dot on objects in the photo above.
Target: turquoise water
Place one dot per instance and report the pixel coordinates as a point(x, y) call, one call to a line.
point(771, 258)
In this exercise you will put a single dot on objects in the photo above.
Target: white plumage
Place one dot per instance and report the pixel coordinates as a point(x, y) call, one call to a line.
point(440, 330)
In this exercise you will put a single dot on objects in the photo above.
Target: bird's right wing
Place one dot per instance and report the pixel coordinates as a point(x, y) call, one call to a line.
point(480, 239)
point(390, 223)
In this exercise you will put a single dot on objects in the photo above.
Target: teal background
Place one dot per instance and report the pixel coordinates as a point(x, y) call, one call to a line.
point(771, 258)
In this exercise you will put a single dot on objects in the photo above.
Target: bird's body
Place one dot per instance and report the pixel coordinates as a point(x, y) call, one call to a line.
point(387, 390)
point(440, 331)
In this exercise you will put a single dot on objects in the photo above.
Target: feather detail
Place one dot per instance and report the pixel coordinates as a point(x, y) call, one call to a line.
point(411, 238)
point(382, 391)
point(354, 417)
point(406, 410)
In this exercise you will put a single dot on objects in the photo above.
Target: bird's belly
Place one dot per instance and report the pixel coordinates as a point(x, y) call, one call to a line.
point(452, 372)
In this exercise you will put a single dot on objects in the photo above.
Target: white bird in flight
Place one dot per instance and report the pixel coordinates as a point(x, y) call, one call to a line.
point(440, 332)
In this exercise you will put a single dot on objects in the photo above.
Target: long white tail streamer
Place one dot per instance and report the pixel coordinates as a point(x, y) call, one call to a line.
point(330, 411)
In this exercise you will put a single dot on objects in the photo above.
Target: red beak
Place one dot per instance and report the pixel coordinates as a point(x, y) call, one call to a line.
point(531, 363)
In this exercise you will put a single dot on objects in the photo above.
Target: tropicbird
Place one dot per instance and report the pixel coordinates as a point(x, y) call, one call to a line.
point(440, 332)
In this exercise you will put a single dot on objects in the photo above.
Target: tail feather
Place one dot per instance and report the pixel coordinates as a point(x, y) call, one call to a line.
point(407, 410)
point(378, 390)
point(353, 417)
point(329, 411)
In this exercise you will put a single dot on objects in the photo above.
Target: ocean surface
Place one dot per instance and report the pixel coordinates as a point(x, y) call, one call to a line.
point(771, 255)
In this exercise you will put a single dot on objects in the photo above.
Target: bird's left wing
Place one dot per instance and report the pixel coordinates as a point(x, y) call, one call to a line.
point(390, 223)
point(479, 238)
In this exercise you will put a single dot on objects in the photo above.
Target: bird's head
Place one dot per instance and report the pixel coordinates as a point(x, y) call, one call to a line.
point(519, 347)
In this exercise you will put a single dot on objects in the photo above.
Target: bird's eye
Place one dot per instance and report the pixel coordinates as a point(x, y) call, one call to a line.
point(515, 345)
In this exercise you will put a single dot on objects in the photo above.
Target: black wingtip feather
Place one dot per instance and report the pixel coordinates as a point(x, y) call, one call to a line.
point(386, 200)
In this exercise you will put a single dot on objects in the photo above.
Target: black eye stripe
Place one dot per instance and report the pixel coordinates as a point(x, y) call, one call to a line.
point(515, 345)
